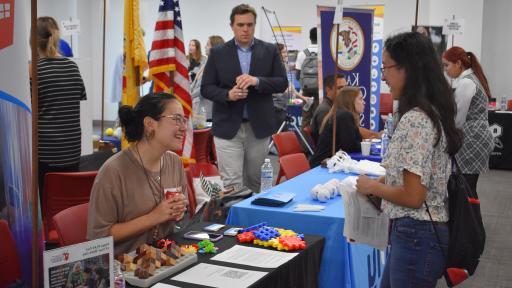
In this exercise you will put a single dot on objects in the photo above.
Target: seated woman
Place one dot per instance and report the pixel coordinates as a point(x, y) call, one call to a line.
point(354, 104)
point(127, 200)
point(348, 137)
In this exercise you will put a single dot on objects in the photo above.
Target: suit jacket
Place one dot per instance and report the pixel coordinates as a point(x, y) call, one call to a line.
point(219, 76)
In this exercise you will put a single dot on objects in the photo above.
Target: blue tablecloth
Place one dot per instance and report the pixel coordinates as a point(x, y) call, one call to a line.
point(343, 264)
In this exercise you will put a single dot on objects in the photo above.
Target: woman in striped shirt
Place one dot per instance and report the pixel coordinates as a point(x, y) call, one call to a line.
point(60, 90)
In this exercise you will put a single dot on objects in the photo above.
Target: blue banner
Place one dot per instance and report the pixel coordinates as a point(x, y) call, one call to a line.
point(354, 50)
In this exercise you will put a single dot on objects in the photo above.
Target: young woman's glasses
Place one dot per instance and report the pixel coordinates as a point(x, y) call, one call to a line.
point(179, 120)
point(383, 68)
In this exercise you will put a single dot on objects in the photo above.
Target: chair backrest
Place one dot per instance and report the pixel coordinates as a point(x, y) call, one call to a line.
point(386, 103)
point(71, 224)
point(201, 145)
point(308, 134)
point(294, 164)
point(194, 171)
point(287, 143)
point(64, 190)
point(11, 269)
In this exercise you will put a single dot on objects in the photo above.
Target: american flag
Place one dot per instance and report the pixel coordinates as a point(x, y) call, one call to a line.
point(168, 55)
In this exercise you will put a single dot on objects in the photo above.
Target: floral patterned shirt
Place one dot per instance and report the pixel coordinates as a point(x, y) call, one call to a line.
point(412, 148)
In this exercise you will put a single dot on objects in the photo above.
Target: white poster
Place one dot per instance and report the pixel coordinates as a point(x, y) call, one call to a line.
point(288, 35)
point(75, 265)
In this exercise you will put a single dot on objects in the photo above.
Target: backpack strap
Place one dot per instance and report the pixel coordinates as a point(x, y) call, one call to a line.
point(307, 52)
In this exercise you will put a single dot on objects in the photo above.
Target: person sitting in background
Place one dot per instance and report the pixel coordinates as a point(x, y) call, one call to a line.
point(281, 99)
point(471, 95)
point(348, 138)
point(331, 89)
point(195, 58)
point(195, 87)
point(355, 104)
point(127, 199)
point(417, 163)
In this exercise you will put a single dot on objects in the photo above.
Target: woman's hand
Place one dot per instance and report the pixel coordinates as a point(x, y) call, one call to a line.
point(179, 206)
point(163, 212)
point(367, 186)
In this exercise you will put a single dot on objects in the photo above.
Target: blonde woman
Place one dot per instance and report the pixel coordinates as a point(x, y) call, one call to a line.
point(60, 90)
point(354, 103)
point(348, 137)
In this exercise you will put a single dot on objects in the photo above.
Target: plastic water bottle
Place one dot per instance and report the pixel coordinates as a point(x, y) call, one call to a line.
point(119, 281)
point(267, 175)
point(384, 142)
point(503, 103)
point(390, 125)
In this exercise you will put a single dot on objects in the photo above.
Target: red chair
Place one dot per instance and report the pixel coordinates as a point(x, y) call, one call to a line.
point(194, 171)
point(11, 269)
point(71, 224)
point(309, 137)
point(286, 143)
point(294, 164)
point(386, 104)
point(61, 191)
point(201, 145)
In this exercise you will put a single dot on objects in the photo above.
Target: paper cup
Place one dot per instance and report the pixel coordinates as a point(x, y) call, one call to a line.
point(365, 148)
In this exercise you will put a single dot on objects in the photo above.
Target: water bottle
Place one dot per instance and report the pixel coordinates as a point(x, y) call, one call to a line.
point(267, 175)
point(390, 125)
point(503, 103)
point(384, 142)
point(119, 281)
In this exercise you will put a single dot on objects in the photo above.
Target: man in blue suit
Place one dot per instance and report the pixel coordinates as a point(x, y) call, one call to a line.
point(240, 77)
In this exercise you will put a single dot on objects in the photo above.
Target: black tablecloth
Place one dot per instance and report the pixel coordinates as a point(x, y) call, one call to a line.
point(501, 128)
point(301, 271)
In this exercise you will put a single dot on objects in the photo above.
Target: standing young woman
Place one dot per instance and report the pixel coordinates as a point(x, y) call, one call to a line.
point(418, 162)
point(348, 137)
point(127, 200)
point(471, 95)
point(195, 58)
point(60, 90)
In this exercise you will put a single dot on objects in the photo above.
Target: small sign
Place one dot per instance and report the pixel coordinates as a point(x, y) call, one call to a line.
point(70, 27)
point(338, 13)
point(73, 266)
point(453, 27)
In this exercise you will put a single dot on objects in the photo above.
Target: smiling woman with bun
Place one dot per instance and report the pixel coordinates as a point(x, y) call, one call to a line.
point(127, 200)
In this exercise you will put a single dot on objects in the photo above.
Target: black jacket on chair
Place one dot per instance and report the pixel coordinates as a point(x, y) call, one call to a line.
point(219, 76)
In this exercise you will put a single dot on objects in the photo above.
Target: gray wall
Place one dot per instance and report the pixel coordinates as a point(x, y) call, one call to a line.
point(496, 45)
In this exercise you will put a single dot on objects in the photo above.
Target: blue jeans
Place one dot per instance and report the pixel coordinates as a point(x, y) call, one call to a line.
point(416, 259)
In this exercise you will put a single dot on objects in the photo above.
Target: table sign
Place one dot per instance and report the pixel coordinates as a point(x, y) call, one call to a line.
point(73, 265)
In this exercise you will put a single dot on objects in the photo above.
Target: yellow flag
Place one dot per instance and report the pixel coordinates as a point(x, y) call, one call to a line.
point(135, 59)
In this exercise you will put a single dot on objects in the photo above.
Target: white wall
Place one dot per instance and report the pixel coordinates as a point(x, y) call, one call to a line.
point(496, 43)
point(202, 18)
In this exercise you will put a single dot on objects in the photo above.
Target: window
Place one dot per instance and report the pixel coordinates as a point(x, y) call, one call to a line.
point(5, 10)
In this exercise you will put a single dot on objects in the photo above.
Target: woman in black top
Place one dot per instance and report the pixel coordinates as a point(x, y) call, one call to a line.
point(348, 137)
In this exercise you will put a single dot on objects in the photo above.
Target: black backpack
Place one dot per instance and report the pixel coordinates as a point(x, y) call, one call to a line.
point(309, 73)
point(467, 233)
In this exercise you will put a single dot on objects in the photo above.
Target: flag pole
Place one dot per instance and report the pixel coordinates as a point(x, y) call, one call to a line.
point(103, 70)
point(35, 167)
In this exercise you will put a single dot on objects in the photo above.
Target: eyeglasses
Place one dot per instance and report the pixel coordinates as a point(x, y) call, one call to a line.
point(383, 68)
point(178, 119)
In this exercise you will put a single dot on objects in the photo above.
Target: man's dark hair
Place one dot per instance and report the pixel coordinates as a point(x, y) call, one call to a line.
point(329, 79)
point(312, 35)
point(240, 10)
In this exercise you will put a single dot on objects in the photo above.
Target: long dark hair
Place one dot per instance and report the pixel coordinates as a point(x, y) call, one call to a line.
point(132, 118)
point(468, 60)
point(425, 85)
